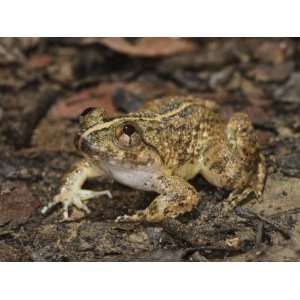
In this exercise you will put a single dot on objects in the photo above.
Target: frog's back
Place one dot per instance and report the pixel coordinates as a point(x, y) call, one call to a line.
point(182, 122)
point(172, 103)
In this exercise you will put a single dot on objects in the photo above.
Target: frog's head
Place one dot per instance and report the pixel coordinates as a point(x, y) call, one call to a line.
point(117, 140)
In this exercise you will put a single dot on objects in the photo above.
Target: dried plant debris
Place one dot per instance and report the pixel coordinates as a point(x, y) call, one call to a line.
point(17, 204)
point(148, 47)
point(45, 83)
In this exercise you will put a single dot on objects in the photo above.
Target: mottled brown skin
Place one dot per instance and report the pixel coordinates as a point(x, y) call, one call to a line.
point(159, 149)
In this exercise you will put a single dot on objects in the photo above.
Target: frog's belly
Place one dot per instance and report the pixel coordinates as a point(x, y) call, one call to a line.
point(141, 179)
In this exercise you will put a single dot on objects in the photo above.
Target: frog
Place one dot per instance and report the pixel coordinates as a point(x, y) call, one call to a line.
point(160, 148)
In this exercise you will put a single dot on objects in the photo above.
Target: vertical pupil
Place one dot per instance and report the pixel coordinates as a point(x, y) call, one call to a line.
point(128, 129)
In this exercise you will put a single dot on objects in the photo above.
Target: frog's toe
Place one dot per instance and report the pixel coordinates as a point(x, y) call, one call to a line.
point(66, 205)
point(56, 200)
point(66, 214)
point(80, 205)
point(126, 218)
point(88, 194)
point(258, 195)
point(45, 209)
point(108, 194)
point(122, 219)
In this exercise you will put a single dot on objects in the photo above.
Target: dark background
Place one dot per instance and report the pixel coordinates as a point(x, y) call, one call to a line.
point(45, 83)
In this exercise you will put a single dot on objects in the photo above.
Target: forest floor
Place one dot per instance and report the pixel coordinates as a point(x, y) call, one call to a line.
point(45, 83)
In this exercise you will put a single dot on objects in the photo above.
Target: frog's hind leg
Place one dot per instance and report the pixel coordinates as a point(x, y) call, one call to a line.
point(236, 197)
point(254, 189)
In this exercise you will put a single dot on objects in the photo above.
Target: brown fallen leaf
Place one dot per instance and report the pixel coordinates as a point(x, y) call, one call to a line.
point(257, 114)
point(17, 205)
point(149, 47)
point(72, 107)
point(290, 91)
point(38, 61)
point(271, 73)
point(57, 131)
point(27, 43)
point(264, 137)
point(270, 51)
point(12, 50)
point(8, 78)
point(9, 253)
point(251, 89)
point(102, 96)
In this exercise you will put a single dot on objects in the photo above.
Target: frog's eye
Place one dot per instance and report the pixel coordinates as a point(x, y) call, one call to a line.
point(129, 129)
point(127, 135)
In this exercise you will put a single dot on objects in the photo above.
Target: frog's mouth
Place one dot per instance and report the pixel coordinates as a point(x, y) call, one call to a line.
point(83, 145)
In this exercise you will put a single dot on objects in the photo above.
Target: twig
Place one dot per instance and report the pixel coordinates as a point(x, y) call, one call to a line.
point(286, 212)
point(195, 238)
point(248, 214)
point(259, 233)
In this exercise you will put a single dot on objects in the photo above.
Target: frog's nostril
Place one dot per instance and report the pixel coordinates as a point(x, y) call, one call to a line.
point(87, 110)
point(84, 145)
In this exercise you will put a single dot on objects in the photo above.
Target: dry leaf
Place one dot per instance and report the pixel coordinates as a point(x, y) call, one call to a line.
point(150, 47)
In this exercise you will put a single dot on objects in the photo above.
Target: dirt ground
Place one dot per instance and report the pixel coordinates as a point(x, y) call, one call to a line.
point(45, 83)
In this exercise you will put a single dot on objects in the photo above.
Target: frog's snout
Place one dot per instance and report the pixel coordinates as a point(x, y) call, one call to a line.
point(82, 144)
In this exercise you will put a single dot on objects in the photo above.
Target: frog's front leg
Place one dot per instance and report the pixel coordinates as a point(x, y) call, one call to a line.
point(71, 192)
point(176, 197)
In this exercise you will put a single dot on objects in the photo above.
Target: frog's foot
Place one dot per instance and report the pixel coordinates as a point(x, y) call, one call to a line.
point(254, 190)
point(68, 199)
point(160, 209)
point(148, 216)
point(237, 197)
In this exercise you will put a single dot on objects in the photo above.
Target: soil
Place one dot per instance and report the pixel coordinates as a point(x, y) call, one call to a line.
point(45, 83)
